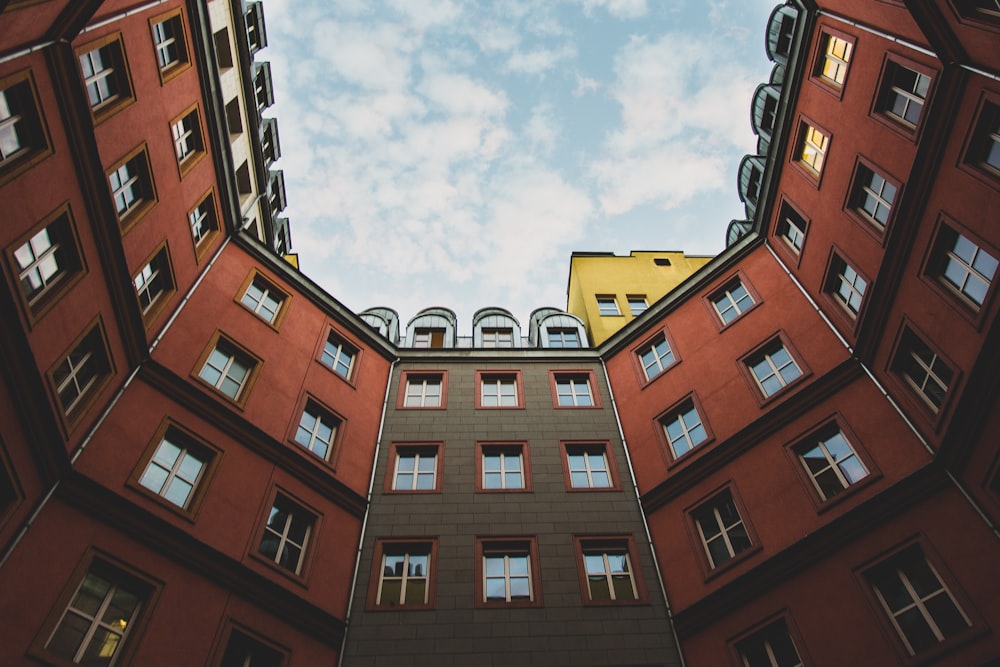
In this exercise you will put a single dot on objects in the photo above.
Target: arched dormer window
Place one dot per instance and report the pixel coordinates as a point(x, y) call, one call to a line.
point(780, 31)
point(750, 175)
point(737, 230)
point(764, 110)
point(495, 328)
point(432, 328)
point(554, 328)
point(385, 321)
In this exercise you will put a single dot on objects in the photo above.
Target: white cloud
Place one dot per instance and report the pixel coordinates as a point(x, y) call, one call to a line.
point(585, 86)
point(621, 9)
point(538, 61)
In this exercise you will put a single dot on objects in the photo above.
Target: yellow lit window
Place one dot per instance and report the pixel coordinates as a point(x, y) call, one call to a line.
point(814, 147)
point(838, 54)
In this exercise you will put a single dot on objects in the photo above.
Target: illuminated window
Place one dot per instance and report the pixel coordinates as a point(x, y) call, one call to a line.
point(836, 56)
point(813, 146)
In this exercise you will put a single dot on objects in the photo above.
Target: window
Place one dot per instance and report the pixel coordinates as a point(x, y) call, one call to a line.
point(229, 369)
point(78, 377)
point(339, 356)
point(609, 570)
point(245, 651)
point(423, 391)
point(769, 647)
point(154, 283)
point(637, 304)
point(508, 573)
point(791, 228)
point(99, 617)
point(415, 467)
point(846, 285)
point(47, 261)
point(176, 467)
point(923, 370)
point(23, 139)
point(286, 534)
point(317, 430)
point(105, 76)
point(607, 306)
point(168, 40)
point(836, 54)
point(404, 575)
point(132, 187)
point(588, 467)
point(984, 148)
point(813, 146)
point(573, 390)
point(873, 196)
point(256, 34)
point(732, 301)
point(773, 368)
point(902, 94)
point(656, 357)
point(966, 269)
point(984, 10)
point(563, 338)
point(263, 299)
point(499, 390)
point(428, 338)
point(188, 144)
point(223, 49)
point(919, 606)
point(721, 529)
point(503, 467)
point(831, 462)
point(683, 428)
point(493, 338)
point(204, 223)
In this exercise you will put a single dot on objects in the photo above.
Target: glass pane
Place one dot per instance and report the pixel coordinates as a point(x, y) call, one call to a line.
point(579, 480)
point(418, 565)
point(166, 454)
point(739, 539)
point(520, 588)
point(719, 552)
point(976, 289)
point(814, 460)
point(601, 480)
point(415, 591)
point(518, 565)
point(154, 477)
point(618, 563)
point(68, 636)
point(916, 630)
point(101, 649)
point(623, 588)
point(491, 480)
point(290, 557)
point(427, 464)
point(594, 563)
point(491, 463)
point(895, 594)
point(404, 481)
point(425, 481)
point(514, 480)
point(269, 545)
point(829, 483)
point(119, 612)
point(494, 565)
point(496, 589)
point(394, 565)
point(406, 463)
point(944, 612)
point(391, 591)
point(853, 470)
point(91, 594)
point(599, 588)
point(178, 492)
point(299, 528)
point(190, 468)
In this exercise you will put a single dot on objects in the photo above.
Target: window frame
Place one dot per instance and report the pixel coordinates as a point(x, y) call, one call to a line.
point(333, 454)
point(330, 331)
point(858, 187)
point(482, 375)
point(190, 440)
point(650, 342)
point(160, 255)
point(556, 375)
point(505, 447)
point(211, 222)
point(783, 243)
point(811, 437)
point(253, 373)
point(567, 447)
point(122, 74)
point(183, 62)
point(38, 129)
point(725, 287)
point(903, 552)
point(200, 148)
point(9, 505)
point(284, 303)
point(396, 449)
point(424, 375)
point(499, 335)
point(140, 156)
point(71, 419)
point(233, 629)
point(142, 585)
point(599, 298)
point(36, 307)
point(738, 643)
point(833, 277)
point(301, 574)
point(659, 423)
point(384, 546)
point(779, 338)
point(891, 61)
point(709, 570)
point(826, 32)
point(908, 392)
point(582, 544)
point(562, 333)
point(508, 545)
point(802, 138)
point(630, 298)
point(987, 114)
point(931, 272)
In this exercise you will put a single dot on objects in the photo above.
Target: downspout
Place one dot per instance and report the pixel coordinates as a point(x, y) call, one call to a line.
point(895, 406)
point(642, 513)
point(364, 521)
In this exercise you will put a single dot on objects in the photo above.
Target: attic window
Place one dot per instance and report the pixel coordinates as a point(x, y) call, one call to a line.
point(661, 261)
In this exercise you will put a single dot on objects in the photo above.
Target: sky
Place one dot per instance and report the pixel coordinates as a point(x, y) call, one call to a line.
point(455, 152)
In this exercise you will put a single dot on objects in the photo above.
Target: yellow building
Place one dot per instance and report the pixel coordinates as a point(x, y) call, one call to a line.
point(607, 291)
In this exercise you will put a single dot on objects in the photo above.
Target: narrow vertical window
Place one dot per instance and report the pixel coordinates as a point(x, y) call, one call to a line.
point(286, 534)
point(923, 370)
point(317, 430)
point(769, 647)
point(339, 356)
point(721, 529)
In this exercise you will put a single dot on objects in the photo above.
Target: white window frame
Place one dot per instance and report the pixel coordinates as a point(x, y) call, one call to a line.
point(290, 509)
point(815, 144)
point(259, 306)
point(607, 306)
point(165, 37)
point(732, 304)
point(232, 358)
point(126, 186)
point(659, 362)
point(821, 443)
point(417, 454)
point(175, 470)
point(590, 454)
point(637, 304)
point(498, 337)
point(679, 417)
point(967, 268)
point(774, 369)
point(606, 571)
point(185, 136)
point(318, 417)
point(96, 622)
point(405, 577)
point(849, 287)
point(93, 81)
point(506, 388)
point(38, 261)
point(506, 454)
point(417, 392)
point(723, 528)
point(574, 388)
point(341, 356)
point(506, 556)
point(558, 337)
point(871, 191)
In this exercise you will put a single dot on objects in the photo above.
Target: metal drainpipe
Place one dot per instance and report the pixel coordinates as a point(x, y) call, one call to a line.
point(364, 521)
point(642, 513)
point(38, 46)
point(895, 406)
point(107, 410)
